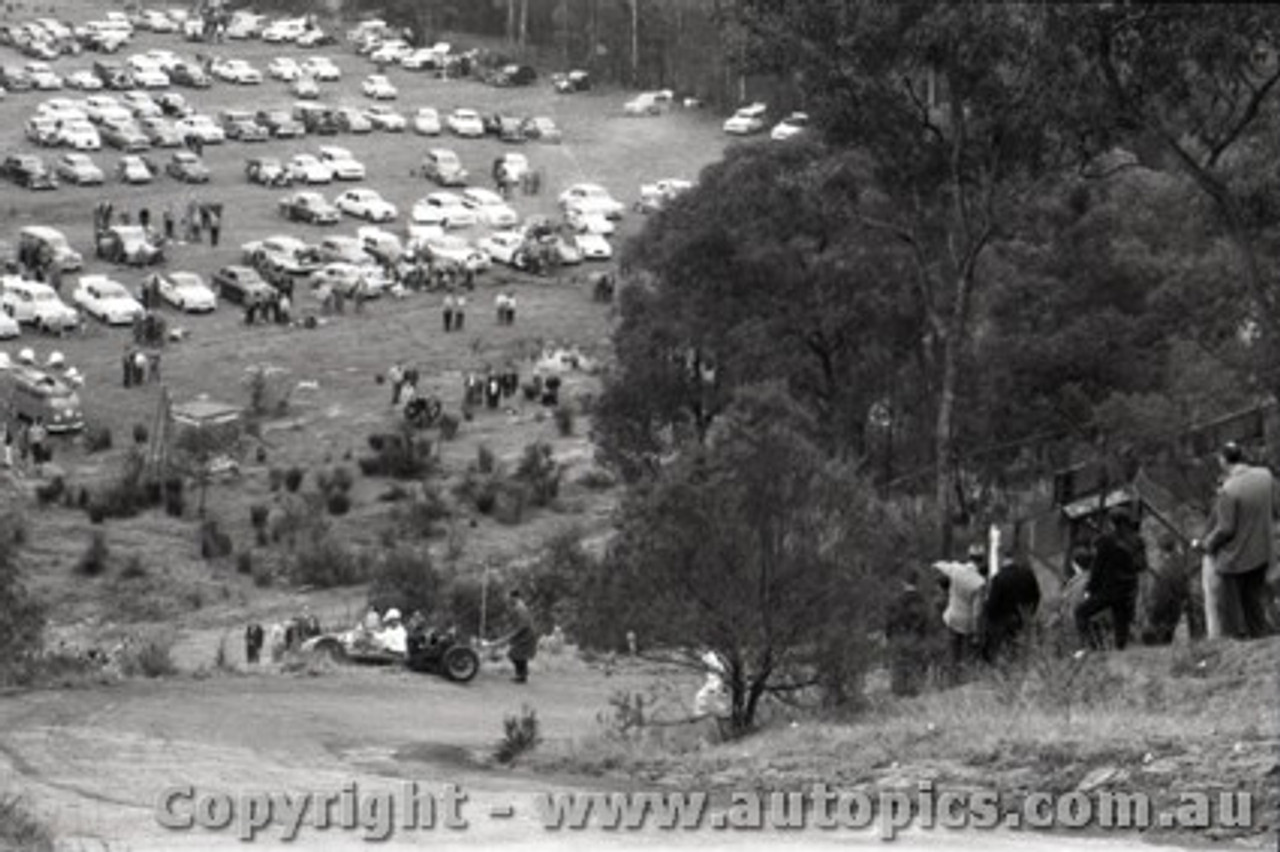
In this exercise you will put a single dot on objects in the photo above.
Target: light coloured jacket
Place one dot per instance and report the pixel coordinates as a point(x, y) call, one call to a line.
point(964, 602)
point(1241, 536)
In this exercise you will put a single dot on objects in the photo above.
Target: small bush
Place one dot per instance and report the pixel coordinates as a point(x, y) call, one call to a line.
point(293, 479)
point(134, 569)
point(564, 421)
point(326, 563)
point(479, 490)
point(449, 425)
point(263, 577)
point(402, 456)
point(540, 472)
point(97, 439)
point(93, 562)
point(214, 543)
point(339, 503)
point(140, 434)
point(244, 562)
point(520, 735)
point(151, 657)
point(597, 479)
point(421, 517)
point(512, 499)
point(394, 494)
point(275, 479)
point(342, 479)
point(97, 514)
point(486, 461)
point(47, 493)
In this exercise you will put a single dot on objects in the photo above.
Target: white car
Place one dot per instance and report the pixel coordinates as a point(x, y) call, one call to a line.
point(343, 249)
point(80, 135)
point(84, 80)
point(423, 57)
point(37, 304)
point(342, 163)
point(593, 246)
point(133, 169)
point(378, 87)
point(151, 77)
point(490, 208)
point(426, 121)
point(346, 277)
point(654, 196)
point(284, 68)
point(42, 76)
point(588, 222)
point(307, 168)
point(645, 103)
point(444, 209)
point(141, 105)
point(166, 60)
point(391, 51)
point(79, 169)
point(366, 204)
point(237, 71)
point(287, 29)
point(790, 127)
point(466, 122)
point(311, 38)
point(98, 107)
point(502, 246)
point(591, 198)
point(108, 300)
point(321, 68)
point(186, 291)
point(203, 127)
point(305, 87)
point(747, 120)
point(385, 118)
point(453, 249)
point(380, 243)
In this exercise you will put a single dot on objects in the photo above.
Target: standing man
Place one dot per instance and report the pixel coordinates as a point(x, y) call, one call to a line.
point(965, 584)
point(523, 639)
point(1240, 544)
point(459, 312)
point(448, 312)
point(1013, 597)
point(36, 437)
point(126, 362)
point(215, 227)
point(396, 377)
point(1118, 557)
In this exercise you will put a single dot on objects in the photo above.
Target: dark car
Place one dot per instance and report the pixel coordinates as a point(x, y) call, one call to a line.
point(245, 130)
point(174, 105)
point(187, 167)
point(191, 76)
point(317, 119)
point(113, 74)
point(241, 284)
point(574, 81)
point(309, 207)
point(280, 124)
point(29, 171)
point(126, 136)
point(267, 171)
point(514, 75)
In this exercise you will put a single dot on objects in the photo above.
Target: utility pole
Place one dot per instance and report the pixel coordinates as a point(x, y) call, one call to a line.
point(635, 42)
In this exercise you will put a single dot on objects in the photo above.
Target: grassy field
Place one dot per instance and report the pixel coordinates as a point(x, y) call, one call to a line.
point(336, 403)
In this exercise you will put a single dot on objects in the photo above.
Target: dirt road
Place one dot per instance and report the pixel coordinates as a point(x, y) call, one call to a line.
point(94, 762)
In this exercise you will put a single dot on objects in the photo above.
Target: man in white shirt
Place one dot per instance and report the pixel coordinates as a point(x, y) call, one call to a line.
point(966, 582)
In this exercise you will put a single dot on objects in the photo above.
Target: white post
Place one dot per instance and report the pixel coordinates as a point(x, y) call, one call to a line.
point(484, 599)
point(993, 550)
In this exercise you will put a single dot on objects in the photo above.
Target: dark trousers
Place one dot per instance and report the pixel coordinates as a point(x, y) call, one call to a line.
point(458, 319)
point(522, 669)
point(448, 320)
point(1248, 595)
point(1120, 604)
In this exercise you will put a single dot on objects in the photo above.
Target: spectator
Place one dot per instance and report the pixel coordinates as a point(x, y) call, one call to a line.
point(215, 227)
point(459, 312)
point(1240, 545)
point(1113, 581)
point(37, 434)
point(522, 640)
point(965, 583)
point(1013, 597)
point(153, 368)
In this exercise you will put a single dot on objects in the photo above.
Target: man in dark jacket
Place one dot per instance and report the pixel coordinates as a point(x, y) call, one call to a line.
point(523, 639)
point(1113, 580)
point(1013, 597)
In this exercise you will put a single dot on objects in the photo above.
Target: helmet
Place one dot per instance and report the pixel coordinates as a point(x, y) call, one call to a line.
point(56, 359)
point(27, 356)
point(393, 614)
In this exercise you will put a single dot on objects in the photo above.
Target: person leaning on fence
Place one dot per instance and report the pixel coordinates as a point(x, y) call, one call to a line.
point(1118, 559)
point(1241, 549)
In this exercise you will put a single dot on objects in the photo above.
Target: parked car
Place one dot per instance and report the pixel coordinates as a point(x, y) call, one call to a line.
point(453, 249)
point(514, 75)
point(309, 207)
point(186, 291)
point(41, 240)
point(160, 132)
point(352, 120)
point(654, 196)
point(489, 208)
point(125, 136)
point(240, 284)
point(134, 169)
point(317, 119)
point(203, 127)
point(342, 163)
point(444, 209)
point(466, 123)
point(747, 120)
point(645, 103)
point(173, 104)
point(191, 76)
point(502, 246)
point(284, 68)
point(237, 71)
point(574, 81)
point(790, 127)
point(83, 80)
point(542, 128)
point(347, 277)
point(366, 204)
point(36, 304)
point(321, 68)
point(341, 248)
point(378, 87)
point(240, 126)
point(128, 244)
point(9, 327)
point(29, 171)
point(42, 76)
point(41, 130)
point(588, 221)
point(515, 164)
point(187, 167)
point(267, 171)
point(591, 197)
point(507, 128)
point(280, 123)
point(80, 169)
point(106, 300)
point(426, 121)
point(383, 117)
point(307, 168)
point(592, 246)
point(443, 166)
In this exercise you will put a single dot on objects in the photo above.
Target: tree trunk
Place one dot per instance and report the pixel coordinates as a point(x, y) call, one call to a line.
point(524, 22)
point(635, 42)
point(511, 21)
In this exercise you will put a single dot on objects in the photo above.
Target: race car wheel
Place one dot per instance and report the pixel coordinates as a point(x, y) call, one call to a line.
point(331, 649)
point(461, 664)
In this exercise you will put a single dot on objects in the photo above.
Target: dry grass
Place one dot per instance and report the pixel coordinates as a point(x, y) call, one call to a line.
point(20, 830)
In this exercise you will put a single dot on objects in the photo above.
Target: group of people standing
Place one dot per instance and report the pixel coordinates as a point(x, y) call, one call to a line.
point(30, 440)
point(139, 367)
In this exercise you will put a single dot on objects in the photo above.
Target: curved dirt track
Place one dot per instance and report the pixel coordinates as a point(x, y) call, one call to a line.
point(93, 761)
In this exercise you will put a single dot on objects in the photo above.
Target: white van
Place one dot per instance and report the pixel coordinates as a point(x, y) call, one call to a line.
point(36, 304)
point(39, 241)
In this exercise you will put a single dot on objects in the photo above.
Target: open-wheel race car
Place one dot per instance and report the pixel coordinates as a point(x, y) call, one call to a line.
point(427, 651)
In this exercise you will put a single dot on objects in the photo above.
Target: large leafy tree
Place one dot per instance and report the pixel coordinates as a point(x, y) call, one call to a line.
point(951, 105)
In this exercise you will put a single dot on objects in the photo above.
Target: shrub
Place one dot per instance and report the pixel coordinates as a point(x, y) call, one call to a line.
point(339, 503)
point(402, 456)
point(93, 562)
point(421, 517)
point(520, 734)
point(512, 498)
point(293, 479)
point(48, 493)
point(597, 479)
point(127, 494)
point(324, 563)
point(244, 562)
point(342, 479)
point(97, 439)
point(259, 515)
point(394, 494)
point(449, 425)
point(275, 479)
point(140, 434)
point(406, 579)
point(263, 577)
point(214, 543)
point(150, 657)
point(96, 514)
point(564, 421)
point(133, 569)
point(486, 461)
point(479, 490)
point(540, 472)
